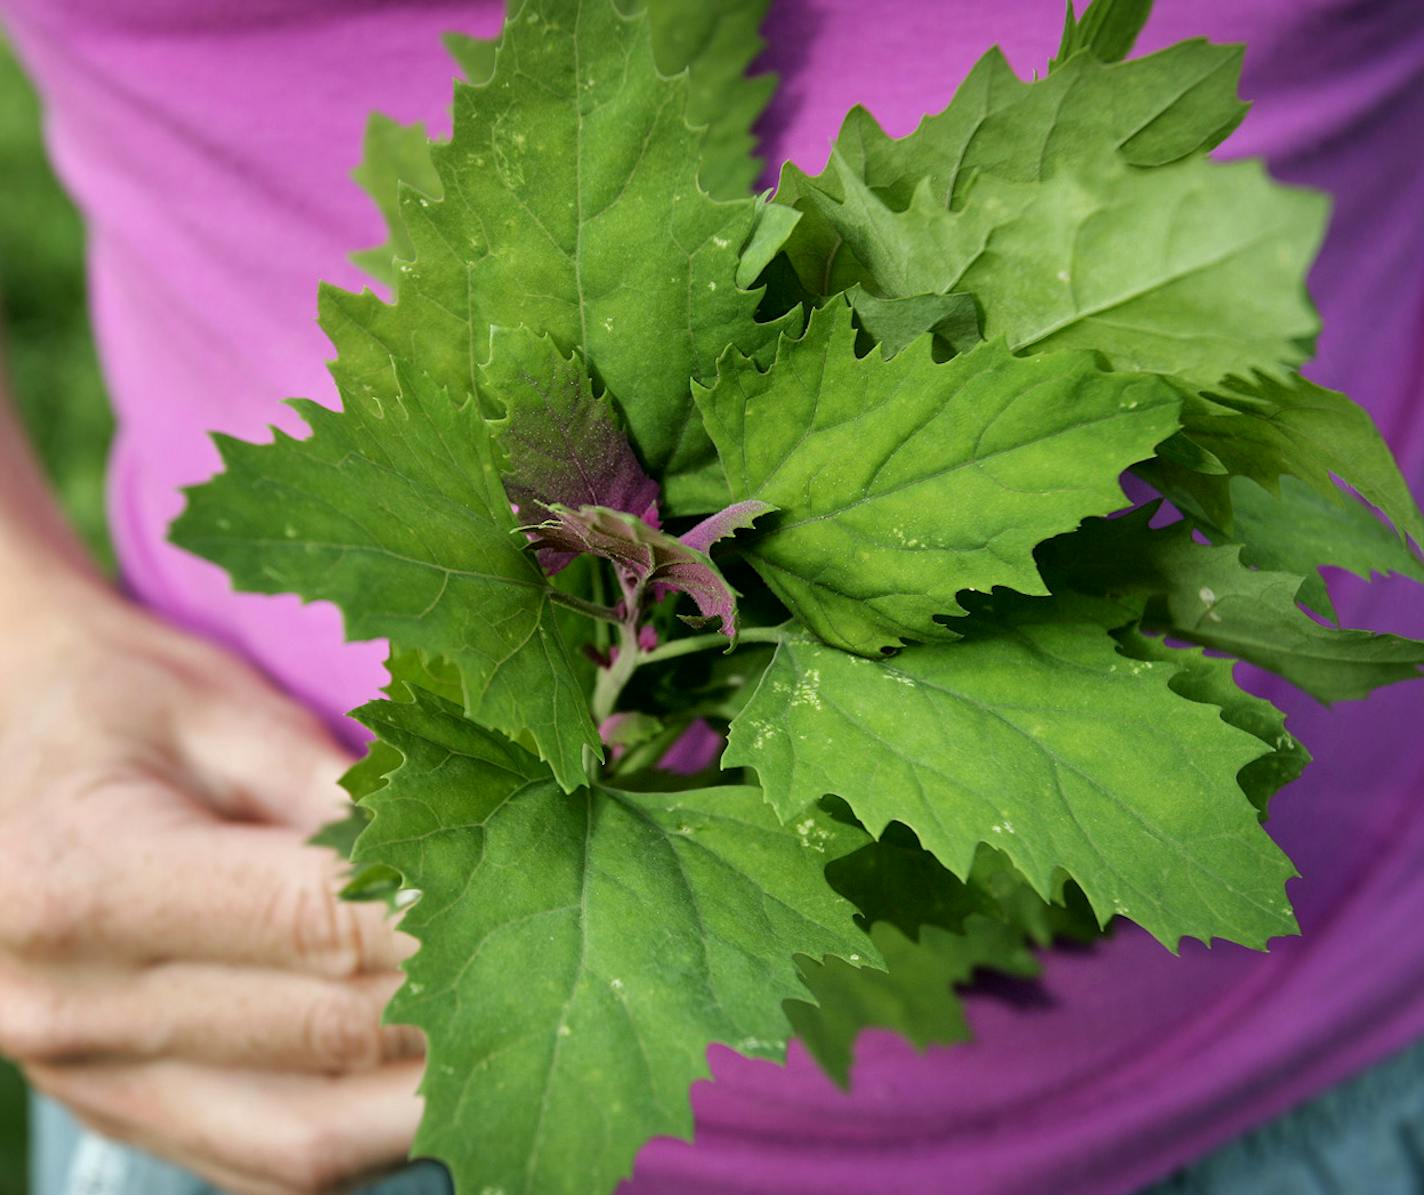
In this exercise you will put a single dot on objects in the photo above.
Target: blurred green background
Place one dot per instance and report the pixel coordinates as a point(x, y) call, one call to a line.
point(54, 379)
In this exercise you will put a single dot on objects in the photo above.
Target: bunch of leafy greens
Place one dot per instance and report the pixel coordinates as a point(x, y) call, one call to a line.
point(965, 712)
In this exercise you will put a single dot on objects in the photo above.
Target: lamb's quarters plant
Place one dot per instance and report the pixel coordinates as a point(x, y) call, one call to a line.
point(633, 464)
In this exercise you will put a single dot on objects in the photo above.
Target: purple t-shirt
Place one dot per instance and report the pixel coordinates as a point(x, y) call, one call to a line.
point(209, 144)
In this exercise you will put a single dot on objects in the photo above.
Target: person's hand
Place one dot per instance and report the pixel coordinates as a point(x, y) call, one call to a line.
point(175, 966)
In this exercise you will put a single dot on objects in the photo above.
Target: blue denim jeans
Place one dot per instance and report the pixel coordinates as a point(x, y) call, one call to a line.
point(67, 1160)
point(1365, 1137)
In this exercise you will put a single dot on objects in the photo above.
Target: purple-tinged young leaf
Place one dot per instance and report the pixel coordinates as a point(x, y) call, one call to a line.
point(730, 519)
point(647, 556)
point(562, 444)
point(631, 544)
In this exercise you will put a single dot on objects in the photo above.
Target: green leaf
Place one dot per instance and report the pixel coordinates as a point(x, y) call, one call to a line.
point(715, 41)
point(573, 153)
point(1152, 111)
point(894, 324)
point(340, 835)
point(1266, 429)
point(893, 878)
point(774, 224)
point(1299, 530)
point(1210, 679)
point(1068, 917)
point(1195, 270)
point(914, 996)
point(392, 155)
point(1043, 740)
point(475, 56)
point(372, 881)
point(392, 511)
point(903, 482)
point(1206, 595)
point(395, 155)
point(933, 931)
point(579, 953)
point(431, 673)
point(1107, 31)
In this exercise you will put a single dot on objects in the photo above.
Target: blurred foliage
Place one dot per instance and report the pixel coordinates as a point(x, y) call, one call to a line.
point(52, 370)
point(12, 1132)
point(54, 379)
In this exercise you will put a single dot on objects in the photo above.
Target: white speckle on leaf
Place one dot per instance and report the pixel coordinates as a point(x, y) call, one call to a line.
point(721, 242)
point(711, 286)
point(565, 1031)
point(616, 984)
point(1064, 277)
point(1207, 595)
point(762, 734)
point(414, 988)
point(904, 540)
point(812, 835)
point(808, 690)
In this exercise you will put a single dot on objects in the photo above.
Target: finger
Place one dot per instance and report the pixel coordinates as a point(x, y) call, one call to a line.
point(259, 756)
point(250, 1130)
point(224, 1016)
point(197, 891)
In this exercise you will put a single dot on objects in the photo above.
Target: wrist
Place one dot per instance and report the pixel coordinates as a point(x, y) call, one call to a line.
point(47, 599)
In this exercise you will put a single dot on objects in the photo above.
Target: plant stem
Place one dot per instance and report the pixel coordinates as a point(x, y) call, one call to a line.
point(601, 636)
point(610, 682)
point(684, 647)
point(608, 687)
point(591, 609)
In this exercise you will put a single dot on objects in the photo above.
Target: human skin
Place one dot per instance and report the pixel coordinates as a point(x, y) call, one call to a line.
point(175, 964)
